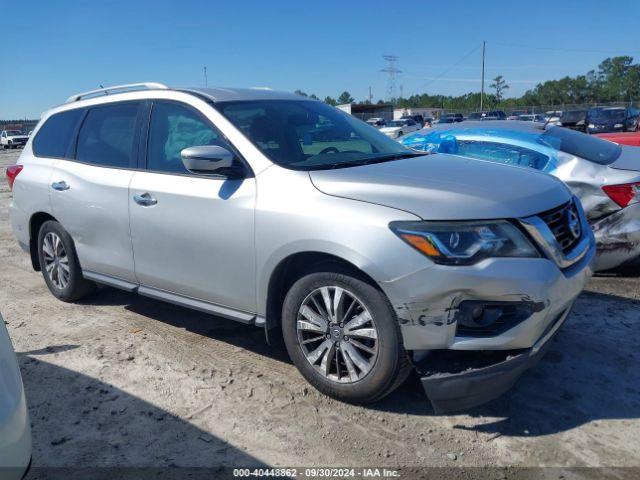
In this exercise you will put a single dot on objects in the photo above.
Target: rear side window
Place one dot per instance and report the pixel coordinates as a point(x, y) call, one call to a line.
point(581, 145)
point(106, 136)
point(54, 136)
point(502, 153)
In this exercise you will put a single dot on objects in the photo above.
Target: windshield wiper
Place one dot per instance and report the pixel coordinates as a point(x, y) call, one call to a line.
point(380, 159)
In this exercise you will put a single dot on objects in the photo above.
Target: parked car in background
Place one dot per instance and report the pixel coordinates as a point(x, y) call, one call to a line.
point(377, 122)
point(603, 175)
point(397, 128)
point(449, 118)
point(452, 118)
point(573, 119)
point(532, 117)
point(625, 138)
point(612, 119)
point(15, 427)
point(553, 117)
point(488, 115)
point(371, 259)
point(419, 119)
point(12, 139)
point(515, 115)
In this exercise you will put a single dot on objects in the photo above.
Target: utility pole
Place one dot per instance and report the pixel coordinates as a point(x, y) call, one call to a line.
point(482, 84)
point(401, 91)
point(392, 70)
point(206, 81)
point(370, 96)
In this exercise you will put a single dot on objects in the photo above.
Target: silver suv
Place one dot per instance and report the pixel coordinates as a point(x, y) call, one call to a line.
point(288, 214)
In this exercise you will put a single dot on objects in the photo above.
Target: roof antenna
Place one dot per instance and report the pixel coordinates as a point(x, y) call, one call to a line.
point(105, 92)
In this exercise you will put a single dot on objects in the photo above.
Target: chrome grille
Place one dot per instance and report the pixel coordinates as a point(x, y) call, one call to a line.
point(564, 223)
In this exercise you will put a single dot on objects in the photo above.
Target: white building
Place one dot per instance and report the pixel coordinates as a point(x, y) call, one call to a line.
point(424, 111)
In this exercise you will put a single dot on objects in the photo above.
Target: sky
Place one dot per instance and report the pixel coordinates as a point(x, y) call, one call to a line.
point(52, 49)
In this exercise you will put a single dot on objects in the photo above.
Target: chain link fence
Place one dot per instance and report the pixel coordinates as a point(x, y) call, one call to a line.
point(545, 108)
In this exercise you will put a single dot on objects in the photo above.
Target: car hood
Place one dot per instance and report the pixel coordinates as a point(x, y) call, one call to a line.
point(446, 187)
point(629, 159)
point(390, 129)
point(17, 137)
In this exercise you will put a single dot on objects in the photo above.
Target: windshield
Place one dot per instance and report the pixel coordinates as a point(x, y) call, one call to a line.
point(14, 132)
point(581, 145)
point(310, 135)
point(607, 114)
point(573, 116)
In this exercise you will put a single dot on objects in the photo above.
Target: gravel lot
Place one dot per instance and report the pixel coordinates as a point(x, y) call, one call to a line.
point(129, 381)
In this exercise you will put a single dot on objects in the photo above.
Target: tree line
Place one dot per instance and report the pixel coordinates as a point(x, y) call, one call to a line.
point(615, 79)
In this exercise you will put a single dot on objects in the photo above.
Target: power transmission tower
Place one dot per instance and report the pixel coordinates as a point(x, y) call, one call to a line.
point(392, 70)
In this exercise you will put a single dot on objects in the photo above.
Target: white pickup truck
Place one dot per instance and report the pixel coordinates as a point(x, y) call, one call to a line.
point(13, 139)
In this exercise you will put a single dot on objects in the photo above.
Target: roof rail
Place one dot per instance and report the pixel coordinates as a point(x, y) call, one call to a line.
point(115, 88)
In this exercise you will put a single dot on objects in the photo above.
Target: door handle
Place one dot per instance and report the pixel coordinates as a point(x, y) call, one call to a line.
point(60, 186)
point(146, 200)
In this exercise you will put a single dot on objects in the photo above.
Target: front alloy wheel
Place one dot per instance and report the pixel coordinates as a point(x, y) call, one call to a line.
point(343, 336)
point(337, 334)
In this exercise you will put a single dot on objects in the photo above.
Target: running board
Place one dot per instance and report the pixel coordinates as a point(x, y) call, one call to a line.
point(188, 302)
point(111, 281)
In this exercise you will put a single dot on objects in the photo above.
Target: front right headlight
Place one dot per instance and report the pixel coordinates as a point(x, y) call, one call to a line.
point(465, 243)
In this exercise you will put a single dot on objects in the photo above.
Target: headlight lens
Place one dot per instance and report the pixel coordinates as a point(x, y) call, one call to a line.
point(618, 125)
point(465, 243)
point(591, 125)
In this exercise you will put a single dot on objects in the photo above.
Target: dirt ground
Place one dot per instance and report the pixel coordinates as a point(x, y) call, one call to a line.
point(125, 380)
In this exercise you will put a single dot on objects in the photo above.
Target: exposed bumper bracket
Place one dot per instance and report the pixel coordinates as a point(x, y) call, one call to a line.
point(470, 387)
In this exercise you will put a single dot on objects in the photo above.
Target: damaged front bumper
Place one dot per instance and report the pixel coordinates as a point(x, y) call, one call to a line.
point(456, 382)
point(517, 304)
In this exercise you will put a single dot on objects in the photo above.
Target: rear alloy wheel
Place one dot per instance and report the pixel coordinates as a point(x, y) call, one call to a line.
point(342, 335)
point(59, 263)
point(56, 261)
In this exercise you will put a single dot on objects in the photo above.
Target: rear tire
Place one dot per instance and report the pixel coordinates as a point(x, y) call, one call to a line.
point(377, 362)
point(59, 264)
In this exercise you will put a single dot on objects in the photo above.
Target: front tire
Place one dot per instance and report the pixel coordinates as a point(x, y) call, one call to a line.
point(59, 263)
point(343, 336)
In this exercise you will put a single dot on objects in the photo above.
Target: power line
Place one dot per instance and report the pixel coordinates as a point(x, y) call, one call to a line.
point(560, 49)
point(451, 67)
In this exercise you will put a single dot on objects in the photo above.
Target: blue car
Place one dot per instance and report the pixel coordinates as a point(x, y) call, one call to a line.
point(603, 175)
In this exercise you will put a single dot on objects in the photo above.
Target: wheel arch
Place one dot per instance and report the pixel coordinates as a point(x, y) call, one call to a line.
point(35, 222)
point(295, 265)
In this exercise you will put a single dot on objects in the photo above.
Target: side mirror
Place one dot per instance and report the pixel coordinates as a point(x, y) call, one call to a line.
point(206, 159)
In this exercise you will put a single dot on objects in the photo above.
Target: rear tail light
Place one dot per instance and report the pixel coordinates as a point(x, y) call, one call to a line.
point(12, 173)
point(624, 194)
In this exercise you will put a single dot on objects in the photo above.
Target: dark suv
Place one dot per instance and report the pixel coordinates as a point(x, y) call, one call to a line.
point(612, 119)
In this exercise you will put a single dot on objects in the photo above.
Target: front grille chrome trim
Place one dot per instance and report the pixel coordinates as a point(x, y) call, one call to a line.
point(546, 240)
